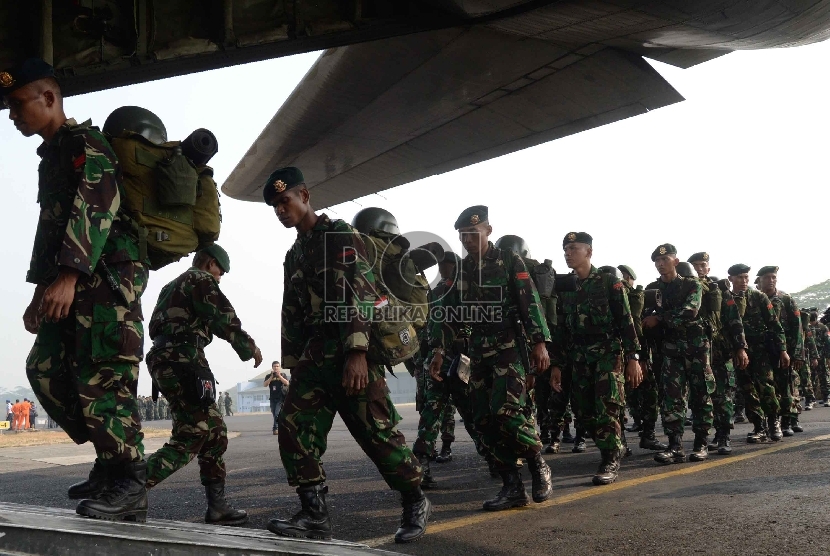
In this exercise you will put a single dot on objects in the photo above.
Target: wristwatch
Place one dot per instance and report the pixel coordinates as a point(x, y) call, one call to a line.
point(634, 356)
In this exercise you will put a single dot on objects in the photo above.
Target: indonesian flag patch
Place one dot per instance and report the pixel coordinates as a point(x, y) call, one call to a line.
point(381, 302)
point(522, 275)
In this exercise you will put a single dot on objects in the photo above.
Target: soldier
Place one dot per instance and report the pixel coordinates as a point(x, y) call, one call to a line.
point(822, 369)
point(189, 311)
point(596, 342)
point(148, 409)
point(684, 349)
point(443, 390)
point(86, 309)
point(228, 405)
point(645, 395)
point(728, 345)
point(496, 298)
point(757, 382)
point(811, 356)
point(326, 268)
point(787, 313)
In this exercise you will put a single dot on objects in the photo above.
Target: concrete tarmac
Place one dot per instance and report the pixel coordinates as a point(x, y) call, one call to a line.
point(763, 499)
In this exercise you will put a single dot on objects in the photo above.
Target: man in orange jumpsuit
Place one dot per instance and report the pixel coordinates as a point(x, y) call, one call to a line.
point(16, 413)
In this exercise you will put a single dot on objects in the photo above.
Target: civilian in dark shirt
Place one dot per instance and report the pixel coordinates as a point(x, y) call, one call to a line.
point(277, 383)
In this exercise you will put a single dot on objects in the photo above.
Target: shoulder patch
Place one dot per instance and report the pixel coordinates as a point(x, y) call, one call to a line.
point(730, 302)
point(522, 275)
point(347, 255)
point(618, 286)
point(797, 313)
point(769, 306)
point(79, 161)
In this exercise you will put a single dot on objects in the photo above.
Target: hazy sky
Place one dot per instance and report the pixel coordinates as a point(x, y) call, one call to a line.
point(732, 170)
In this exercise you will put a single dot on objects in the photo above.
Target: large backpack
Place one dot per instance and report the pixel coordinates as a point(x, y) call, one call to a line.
point(402, 308)
point(176, 203)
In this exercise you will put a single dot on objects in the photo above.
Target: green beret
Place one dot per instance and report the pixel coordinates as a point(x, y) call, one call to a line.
point(471, 216)
point(281, 180)
point(739, 268)
point(577, 237)
point(665, 249)
point(702, 257)
point(221, 256)
point(29, 71)
point(767, 270)
point(625, 269)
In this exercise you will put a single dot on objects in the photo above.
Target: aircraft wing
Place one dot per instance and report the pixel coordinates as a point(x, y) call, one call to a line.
point(372, 116)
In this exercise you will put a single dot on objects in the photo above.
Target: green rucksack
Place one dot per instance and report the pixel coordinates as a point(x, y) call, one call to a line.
point(402, 308)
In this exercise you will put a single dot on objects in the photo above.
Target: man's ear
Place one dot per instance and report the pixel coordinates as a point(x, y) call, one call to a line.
point(488, 229)
point(590, 252)
point(305, 195)
point(675, 261)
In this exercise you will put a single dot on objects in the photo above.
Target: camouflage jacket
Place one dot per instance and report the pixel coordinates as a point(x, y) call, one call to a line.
point(491, 298)
point(329, 290)
point(728, 331)
point(822, 338)
point(760, 323)
point(79, 193)
point(810, 347)
point(192, 306)
point(597, 312)
point(786, 310)
point(679, 313)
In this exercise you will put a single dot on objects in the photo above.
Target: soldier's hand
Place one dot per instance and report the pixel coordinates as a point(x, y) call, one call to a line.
point(257, 358)
point(651, 321)
point(435, 367)
point(814, 363)
point(58, 297)
point(784, 360)
point(741, 359)
point(356, 373)
point(31, 320)
point(530, 382)
point(540, 358)
point(556, 379)
point(798, 364)
point(633, 373)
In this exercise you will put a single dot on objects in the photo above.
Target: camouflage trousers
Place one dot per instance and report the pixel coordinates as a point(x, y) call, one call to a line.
point(544, 407)
point(785, 390)
point(447, 416)
point(84, 369)
point(643, 400)
point(438, 398)
point(757, 383)
point(723, 398)
point(560, 402)
point(821, 379)
point(805, 383)
point(686, 369)
point(598, 393)
point(197, 431)
point(499, 399)
point(315, 395)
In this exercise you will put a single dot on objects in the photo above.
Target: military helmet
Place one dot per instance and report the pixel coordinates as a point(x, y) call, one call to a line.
point(375, 218)
point(686, 270)
point(138, 120)
point(515, 244)
point(612, 270)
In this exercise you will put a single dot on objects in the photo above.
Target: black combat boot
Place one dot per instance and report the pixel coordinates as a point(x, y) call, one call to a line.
point(739, 416)
point(446, 453)
point(541, 478)
point(759, 433)
point(786, 429)
point(567, 437)
point(674, 453)
point(511, 495)
point(774, 428)
point(724, 446)
point(427, 481)
point(795, 425)
point(124, 498)
point(553, 443)
point(219, 512)
point(808, 405)
point(579, 442)
point(608, 467)
point(416, 510)
point(635, 426)
point(312, 521)
point(700, 449)
point(713, 445)
point(648, 440)
point(93, 486)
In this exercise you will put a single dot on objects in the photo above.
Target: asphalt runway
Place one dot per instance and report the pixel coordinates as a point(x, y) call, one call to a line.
point(763, 499)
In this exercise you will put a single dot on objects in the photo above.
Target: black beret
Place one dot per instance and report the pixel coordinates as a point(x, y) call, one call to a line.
point(625, 269)
point(665, 249)
point(767, 270)
point(450, 257)
point(577, 237)
point(27, 72)
point(471, 216)
point(281, 180)
point(703, 256)
point(739, 268)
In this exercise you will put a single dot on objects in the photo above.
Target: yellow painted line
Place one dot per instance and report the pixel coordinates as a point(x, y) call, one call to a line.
point(686, 469)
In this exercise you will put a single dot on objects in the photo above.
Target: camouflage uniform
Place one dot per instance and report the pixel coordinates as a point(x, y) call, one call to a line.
point(597, 331)
point(757, 380)
point(190, 310)
point(821, 382)
point(84, 368)
point(810, 355)
point(786, 311)
point(327, 268)
point(684, 349)
point(228, 406)
point(643, 400)
point(502, 289)
point(726, 333)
